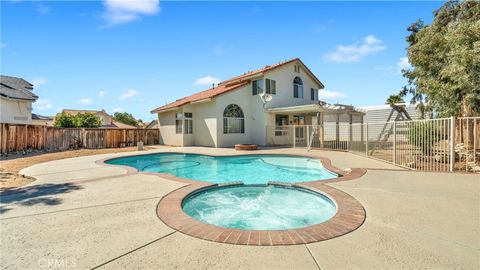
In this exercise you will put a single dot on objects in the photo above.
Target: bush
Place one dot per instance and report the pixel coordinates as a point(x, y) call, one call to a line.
point(64, 120)
point(424, 135)
point(81, 120)
point(87, 120)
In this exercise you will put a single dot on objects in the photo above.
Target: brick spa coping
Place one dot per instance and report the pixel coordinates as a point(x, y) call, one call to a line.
point(350, 213)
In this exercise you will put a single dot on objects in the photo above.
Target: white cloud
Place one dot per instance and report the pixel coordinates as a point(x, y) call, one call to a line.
point(102, 94)
point(128, 94)
point(124, 11)
point(330, 95)
point(207, 81)
point(357, 51)
point(37, 82)
point(43, 9)
point(42, 104)
point(118, 109)
point(403, 64)
point(85, 101)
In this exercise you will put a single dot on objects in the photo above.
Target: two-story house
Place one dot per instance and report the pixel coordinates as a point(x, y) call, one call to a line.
point(16, 98)
point(237, 112)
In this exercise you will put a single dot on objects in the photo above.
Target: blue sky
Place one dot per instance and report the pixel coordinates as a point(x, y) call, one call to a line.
point(135, 56)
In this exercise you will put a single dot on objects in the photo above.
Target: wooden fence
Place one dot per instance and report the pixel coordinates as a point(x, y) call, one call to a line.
point(17, 138)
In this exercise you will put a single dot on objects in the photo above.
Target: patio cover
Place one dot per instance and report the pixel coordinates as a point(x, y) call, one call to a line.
point(320, 107)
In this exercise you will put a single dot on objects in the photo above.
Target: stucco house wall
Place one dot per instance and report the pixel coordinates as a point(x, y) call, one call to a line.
point(208, 114)
point(15, 111)
point(284, 77)
point(166, 123)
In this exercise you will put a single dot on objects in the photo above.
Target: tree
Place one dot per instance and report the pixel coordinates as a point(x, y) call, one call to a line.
point(125, 118)
point(445, 59)
point(87, 120)
point(81, 120)
point(64, 120)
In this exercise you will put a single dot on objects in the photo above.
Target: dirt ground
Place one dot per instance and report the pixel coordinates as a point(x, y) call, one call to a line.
point(11, 165)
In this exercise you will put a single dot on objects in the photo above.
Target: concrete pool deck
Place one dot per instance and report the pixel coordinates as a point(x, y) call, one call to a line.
point(79, 214)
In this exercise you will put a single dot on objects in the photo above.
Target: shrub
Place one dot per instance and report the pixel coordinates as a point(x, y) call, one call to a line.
point(424, 135)
point(64, 120)
point(81, 120)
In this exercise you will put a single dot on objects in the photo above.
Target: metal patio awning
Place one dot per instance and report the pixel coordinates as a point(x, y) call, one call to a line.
point(314, 108)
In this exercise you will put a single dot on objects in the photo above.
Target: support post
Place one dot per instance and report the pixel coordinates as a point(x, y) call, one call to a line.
point(452, 143)
point(293, 133)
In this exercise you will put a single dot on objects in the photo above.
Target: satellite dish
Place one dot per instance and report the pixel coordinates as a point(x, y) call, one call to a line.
point(265, 98)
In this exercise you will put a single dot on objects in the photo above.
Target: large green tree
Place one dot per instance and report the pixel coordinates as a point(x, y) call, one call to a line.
point(81, 120)
point(445, 59)
point(125, 118)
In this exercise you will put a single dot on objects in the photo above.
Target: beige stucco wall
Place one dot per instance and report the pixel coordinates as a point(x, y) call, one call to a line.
point(15, 111)
point(284, 77)
point(167, 129)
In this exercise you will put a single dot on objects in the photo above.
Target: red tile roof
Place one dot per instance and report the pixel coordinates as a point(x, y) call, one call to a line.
point(229, 85)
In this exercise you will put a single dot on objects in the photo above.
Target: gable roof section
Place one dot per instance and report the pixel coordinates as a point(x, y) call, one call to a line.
point(16, 88)
point(272, 67)
point(210, 93)
point(231, 84)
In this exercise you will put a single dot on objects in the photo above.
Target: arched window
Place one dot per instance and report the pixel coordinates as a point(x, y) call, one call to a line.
point(297, 88)
point(233, 119)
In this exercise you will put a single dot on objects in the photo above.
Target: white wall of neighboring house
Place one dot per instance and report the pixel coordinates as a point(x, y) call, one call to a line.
point(15, 111)
point(208, 115)
point(384, 113)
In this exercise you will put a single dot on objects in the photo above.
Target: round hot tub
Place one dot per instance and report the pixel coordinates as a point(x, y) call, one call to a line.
point(259, 207)
point(246, 147)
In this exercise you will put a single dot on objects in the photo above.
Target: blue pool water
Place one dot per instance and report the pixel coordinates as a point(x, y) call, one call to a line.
point(259, 207)
point(251, 169)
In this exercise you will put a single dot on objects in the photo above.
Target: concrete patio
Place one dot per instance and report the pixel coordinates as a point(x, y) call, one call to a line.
point(79, 214)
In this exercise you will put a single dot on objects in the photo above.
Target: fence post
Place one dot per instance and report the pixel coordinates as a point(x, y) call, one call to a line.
point(349, 140)
point(394, 142)
point(366, 139)
point(452, 142)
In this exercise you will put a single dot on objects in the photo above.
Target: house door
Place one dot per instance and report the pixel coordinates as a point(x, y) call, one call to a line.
point(299, 120)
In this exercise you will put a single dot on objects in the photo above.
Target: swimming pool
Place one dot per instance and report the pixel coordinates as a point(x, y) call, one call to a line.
point(249, 169)
point(259, 207)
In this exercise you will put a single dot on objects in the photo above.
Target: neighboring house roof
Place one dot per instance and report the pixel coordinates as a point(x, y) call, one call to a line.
point(117, 124)
point(74, 112)
point(16, 88)
point(231, 84)
point(151, 124)
point(41, 117)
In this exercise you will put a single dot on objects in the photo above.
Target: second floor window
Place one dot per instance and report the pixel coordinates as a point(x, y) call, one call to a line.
point(270, 86)
point(312, 94)
point(297, 88)
point(257, 87)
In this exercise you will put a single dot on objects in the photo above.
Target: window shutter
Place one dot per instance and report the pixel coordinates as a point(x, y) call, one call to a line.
point(267, 85)
point(274, 87)
point(254, 88)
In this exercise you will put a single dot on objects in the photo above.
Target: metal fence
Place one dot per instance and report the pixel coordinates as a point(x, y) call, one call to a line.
point(444, 144)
